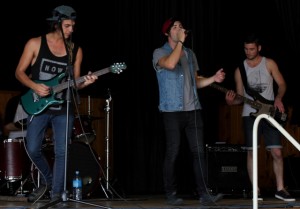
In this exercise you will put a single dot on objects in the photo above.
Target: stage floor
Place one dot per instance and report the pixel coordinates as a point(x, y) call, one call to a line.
point(145, 201)
point(12, 196)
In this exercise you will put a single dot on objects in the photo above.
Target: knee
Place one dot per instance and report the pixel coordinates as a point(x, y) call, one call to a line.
point(277, 154)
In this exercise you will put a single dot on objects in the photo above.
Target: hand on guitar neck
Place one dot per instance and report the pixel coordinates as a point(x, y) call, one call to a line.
point(259, 103)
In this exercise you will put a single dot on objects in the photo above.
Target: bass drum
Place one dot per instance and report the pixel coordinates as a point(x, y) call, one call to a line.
point(14, 160)
point(83, 133)
point(84, 159)
point(81, 158)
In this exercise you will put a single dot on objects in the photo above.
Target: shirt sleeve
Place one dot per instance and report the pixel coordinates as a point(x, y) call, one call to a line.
point(157, 54)
point(195, 62)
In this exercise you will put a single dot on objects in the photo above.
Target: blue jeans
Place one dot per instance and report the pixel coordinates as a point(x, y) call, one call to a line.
point(190, 123)
point(36, 128)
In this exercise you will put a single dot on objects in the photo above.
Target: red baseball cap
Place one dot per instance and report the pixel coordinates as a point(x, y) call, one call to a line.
point(167, 25)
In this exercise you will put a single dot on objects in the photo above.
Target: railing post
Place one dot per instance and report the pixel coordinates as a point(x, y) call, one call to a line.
point(255, 128)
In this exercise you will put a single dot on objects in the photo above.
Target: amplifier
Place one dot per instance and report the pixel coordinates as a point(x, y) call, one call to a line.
point(225, 148)
point(227, 169)
point(292, 173)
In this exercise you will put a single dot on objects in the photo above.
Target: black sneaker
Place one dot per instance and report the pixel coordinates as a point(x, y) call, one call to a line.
point(56, 197)
point(284, 195)
point(56, 201)
point(174, 200)
point(207, 199)
point(37, 194)
point(259, 197)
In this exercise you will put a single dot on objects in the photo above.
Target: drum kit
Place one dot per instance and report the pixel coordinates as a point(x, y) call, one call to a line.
point(15, 163)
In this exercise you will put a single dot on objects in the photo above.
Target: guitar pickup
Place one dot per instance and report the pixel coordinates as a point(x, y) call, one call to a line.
point(35, 97)
point(278, 116)
point(283, 116)
point(272, 111)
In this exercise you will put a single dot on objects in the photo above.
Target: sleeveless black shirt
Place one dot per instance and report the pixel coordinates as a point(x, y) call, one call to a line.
point(46, 67)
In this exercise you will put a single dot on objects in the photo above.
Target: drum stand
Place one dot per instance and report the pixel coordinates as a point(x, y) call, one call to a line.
point(20, 190)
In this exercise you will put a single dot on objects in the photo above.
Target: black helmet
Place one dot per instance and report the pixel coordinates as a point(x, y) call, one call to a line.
point(63, 13)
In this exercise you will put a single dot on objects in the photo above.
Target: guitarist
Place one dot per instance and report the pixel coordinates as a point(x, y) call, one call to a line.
point(260, 73)
point(48, 56)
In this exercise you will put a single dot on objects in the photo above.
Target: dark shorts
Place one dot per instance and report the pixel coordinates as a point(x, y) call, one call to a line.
point(271, 135)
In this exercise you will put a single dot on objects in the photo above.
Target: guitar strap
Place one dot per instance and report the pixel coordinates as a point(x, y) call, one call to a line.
point(244, 78)
point(250, 91)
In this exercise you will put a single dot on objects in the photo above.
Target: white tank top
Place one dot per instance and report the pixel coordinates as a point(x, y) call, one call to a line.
point(260, 80)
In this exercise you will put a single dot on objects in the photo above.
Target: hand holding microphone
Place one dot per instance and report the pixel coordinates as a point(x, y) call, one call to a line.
point(182, 34)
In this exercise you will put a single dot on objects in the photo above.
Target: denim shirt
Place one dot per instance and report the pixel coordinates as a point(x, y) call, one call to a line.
point(171, 82)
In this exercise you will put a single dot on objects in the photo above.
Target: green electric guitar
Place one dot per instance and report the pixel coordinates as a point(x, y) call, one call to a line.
point(33, 104)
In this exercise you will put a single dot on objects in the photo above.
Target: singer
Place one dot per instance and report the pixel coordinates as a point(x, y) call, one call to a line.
point(177, 69)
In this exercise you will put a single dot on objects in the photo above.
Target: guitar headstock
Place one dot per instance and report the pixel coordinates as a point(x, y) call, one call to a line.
point(118, 67)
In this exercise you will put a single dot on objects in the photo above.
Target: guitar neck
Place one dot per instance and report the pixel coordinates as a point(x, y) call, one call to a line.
point(260, 106)
point(79, 80)
point(254, 104)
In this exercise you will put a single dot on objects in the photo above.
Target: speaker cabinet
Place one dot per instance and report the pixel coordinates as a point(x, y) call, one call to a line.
point(227, 169)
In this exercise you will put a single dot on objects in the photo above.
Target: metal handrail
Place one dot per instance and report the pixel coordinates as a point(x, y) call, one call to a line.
point(255, 127)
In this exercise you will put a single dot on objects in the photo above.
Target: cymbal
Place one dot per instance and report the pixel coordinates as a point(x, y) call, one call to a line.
point(21, 124)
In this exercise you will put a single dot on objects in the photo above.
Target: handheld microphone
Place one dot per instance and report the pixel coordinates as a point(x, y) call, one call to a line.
point(187, 31)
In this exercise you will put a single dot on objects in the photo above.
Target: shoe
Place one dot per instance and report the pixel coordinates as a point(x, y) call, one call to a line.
point(174, 200)
point(259, 197)
point(37, 194)
point(284, 195)
point(207, 199)
point(56, 197)
point(57, 202)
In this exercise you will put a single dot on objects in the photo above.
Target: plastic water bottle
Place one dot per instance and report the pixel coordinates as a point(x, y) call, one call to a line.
point(77, 186)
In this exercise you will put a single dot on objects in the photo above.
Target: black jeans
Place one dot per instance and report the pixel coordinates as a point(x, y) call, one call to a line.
point(190, 123)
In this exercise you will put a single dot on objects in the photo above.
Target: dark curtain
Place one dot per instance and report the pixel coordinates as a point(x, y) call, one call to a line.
point(138, 134)
point(290, 17)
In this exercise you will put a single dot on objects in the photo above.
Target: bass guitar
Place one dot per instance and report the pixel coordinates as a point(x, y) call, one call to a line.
point(265, 106)
point(33, 104)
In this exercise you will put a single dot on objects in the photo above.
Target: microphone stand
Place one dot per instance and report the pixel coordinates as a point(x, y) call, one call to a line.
point(70, 81)
point(107, 109)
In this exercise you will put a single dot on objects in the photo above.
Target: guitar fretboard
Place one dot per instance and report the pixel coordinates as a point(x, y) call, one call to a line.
point(254, 104)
